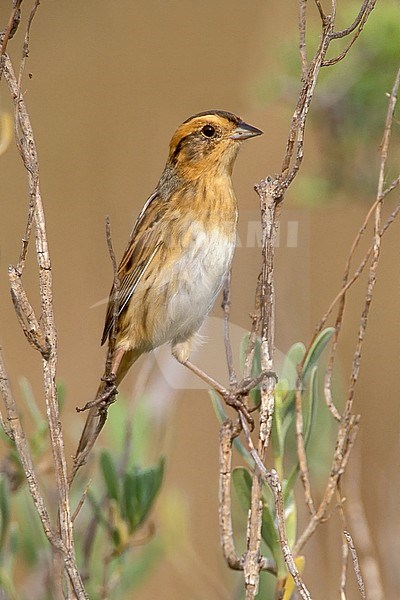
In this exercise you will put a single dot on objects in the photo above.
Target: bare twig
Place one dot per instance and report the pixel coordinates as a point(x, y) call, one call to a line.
point(272, 480)
point(360, 19)
point(11, 28)
point(361, 531)
point(14, 429)
point(344, 444)
point(271, 192)
point(301, 451)
point(26, 315)
point(302, 36)
point(227, 433)
point(226, 307)
point(376, 245)
point(98, 408)
point(356, 565)
point(27, 148)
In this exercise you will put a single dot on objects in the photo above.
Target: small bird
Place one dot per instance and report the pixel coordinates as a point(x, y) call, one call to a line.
point(180, 249)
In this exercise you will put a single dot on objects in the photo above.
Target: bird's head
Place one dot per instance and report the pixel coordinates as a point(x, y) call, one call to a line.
point(208, 142)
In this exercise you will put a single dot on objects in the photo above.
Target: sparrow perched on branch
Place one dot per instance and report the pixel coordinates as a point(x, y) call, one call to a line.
point(181, 247)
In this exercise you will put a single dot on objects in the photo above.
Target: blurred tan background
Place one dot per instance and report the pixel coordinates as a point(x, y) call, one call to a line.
point(110, 83)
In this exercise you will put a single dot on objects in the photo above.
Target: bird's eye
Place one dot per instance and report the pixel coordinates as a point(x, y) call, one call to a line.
point(208, 131)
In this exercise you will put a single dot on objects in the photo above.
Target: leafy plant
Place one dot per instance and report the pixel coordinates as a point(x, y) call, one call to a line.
point(283, 421)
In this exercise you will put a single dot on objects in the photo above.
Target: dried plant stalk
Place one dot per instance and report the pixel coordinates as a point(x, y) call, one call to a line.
point(44, 337)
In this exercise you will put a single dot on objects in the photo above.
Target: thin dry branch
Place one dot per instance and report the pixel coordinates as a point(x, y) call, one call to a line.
point(376, 244)
point(226, 307)
point(364, 12)
point(344, 444)
point(46, 336)
point(14, 430)
point(356, 566)
point(362, 532)
point(98, 408)
point(302, 36)
point(10, 31)
point(26, 314)
point(301, 450)
point(271, 192)
point(272, 480)
point(29, 155)
point(374, 251)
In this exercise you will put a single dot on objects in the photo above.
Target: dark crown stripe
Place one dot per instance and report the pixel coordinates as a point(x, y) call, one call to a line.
point(219, 113)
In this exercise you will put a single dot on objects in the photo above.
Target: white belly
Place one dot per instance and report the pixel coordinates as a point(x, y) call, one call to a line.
point(201, 272)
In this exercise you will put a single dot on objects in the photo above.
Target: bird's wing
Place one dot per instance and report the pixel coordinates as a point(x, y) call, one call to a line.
point(144, 244)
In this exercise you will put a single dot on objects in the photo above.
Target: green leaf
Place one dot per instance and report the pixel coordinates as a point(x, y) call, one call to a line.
point(242, 482)
point(293, 357)
point(140, 488)
point(308, 428)
point(279, 428)
point(110, 475)
point(291, 519)
point(149, 485)
point(270, 535)
point(312, 406)
point(320, 343)
point(129, 501)
point(61, 393)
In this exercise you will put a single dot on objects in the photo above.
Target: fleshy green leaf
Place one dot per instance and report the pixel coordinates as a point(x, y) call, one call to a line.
point(242, 481)
point(312, 405)
point(110, 475)
point(320, 343)
point(293, 357)
point(291, 519)
point(279, 428)
point(140, 488)
point(308, 428)
point(61, 393)
point(129, 502)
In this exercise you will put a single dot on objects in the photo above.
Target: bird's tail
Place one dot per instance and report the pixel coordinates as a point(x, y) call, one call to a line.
point(94, 417)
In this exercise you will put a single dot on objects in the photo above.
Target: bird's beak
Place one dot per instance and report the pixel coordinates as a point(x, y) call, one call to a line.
point(244, 131)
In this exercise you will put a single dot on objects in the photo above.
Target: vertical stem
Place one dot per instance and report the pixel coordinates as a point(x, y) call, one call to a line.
point(49, 362)
point(266, 190)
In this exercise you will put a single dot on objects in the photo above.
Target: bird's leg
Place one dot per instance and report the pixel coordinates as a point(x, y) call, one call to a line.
point(229, 396)
point(206, 378)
